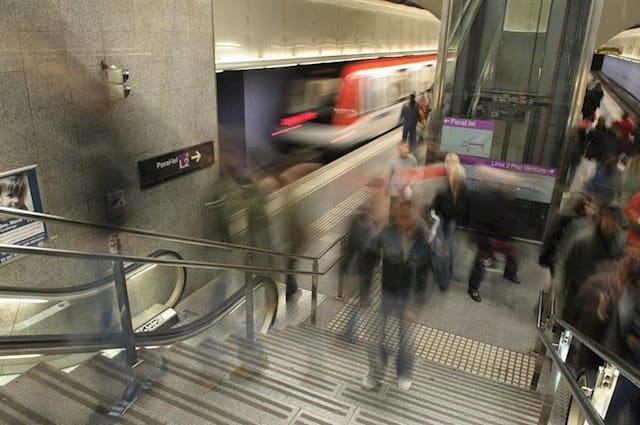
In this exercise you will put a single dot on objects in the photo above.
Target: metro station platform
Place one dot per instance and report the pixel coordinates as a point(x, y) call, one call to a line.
point(167, 165)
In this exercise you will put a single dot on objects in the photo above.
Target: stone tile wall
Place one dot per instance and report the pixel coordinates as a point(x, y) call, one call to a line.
point(54, 113)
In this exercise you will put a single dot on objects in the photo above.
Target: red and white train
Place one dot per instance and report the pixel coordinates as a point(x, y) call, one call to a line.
point(359, 102)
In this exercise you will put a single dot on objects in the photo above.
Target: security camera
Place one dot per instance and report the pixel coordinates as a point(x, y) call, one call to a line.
point(117, 76)
point(119, 91)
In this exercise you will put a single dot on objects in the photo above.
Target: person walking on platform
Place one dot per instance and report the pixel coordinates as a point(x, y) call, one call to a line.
point(410, 116)
point(405, 252)
point(492, 236)
point(450, 205)
point(398, 176)
point(592, 100)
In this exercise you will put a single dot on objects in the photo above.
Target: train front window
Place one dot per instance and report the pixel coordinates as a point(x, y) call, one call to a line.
point(317, 95)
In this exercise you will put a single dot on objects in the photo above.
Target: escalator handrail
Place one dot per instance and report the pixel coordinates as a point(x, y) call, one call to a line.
point(97, 256)
point(148, 233)
point(589, 411)
point(78, 343)
point(97, 285)
point(624, 367)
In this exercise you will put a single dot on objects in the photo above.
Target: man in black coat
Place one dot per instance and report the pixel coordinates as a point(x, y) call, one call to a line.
point(584, 249)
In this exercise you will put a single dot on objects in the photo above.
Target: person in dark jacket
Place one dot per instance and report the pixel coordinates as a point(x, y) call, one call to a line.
point(450, 205)
point(405, 252)
point(600, 142)
point(596, 302)
point(558, 231)
point(410, 115)
point(623, 337)
point(359, 248)
point(583, 251)
point(492, 235)
point(592, 101)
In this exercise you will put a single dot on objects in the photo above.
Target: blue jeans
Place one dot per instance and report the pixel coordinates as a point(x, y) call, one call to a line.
point(379, 353)
point(409, 134)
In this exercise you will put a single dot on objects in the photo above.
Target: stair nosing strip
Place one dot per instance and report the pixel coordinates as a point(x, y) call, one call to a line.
point(425, 372)
point(514, 392)
point(134, 410)
point(255, 404)
point(225, 350)
point(158, 394)
point(292, 393)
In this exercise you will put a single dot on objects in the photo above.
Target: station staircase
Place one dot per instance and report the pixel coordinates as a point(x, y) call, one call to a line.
point(300, 375)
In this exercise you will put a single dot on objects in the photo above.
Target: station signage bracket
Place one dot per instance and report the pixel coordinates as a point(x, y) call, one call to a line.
point(161, 168)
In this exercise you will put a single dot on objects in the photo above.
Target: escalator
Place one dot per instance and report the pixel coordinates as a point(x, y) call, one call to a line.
point(154, 292)
point(159, 310)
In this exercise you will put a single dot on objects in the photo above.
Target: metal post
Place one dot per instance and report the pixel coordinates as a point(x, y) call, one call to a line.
point(248, 292)
point(314, 292)
point(563, 351)
point(125, 312)
point(340, 295)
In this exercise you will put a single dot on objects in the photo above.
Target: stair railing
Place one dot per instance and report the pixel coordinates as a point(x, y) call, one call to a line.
point(126, 338)
point(592, 402)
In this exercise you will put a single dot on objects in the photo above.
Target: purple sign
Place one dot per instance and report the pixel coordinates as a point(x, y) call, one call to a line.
point(527, 181)
point(469, 123)
point(510, 166)
point(467, 136)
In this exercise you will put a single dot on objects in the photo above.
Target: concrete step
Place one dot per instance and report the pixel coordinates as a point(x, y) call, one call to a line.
point(298, 375)
point(436, 395)
point(299, 340)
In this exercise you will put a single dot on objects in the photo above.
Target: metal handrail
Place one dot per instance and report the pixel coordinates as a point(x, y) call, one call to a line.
point(65, 253)
point(65, 344)
point(150, 234)
point(592, 415)
point(629, 372)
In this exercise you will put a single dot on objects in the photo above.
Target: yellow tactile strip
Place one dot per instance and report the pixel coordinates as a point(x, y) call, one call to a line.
point(447, 349)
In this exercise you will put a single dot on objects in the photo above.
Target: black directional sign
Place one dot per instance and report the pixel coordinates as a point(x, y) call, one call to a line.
point(170, 165)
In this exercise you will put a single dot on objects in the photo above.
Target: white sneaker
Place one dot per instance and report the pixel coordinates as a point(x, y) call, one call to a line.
point(369, 382)
point(404, 383)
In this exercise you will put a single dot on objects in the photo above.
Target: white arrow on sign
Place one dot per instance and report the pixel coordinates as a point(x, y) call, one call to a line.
point(197, 156)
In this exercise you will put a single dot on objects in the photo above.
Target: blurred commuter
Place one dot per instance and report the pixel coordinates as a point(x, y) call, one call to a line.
point(606, 185)
point(450, 205)
point(592, 100)
point(359, 248)
point(627, 126)
point(410, 116)
point(558, 231)
point(631, 178)
point(405, 252)
point(596, 303)
point(492, 236)
point(623, 337)
point(632, 214)
point(600, 141)
point(398, 177)
point(583, 251)
point(294, 243)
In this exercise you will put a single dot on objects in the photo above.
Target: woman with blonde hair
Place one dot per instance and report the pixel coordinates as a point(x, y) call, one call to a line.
point(450, 206)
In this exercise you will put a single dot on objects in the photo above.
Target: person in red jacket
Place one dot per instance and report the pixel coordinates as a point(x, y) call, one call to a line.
point(632, 211)
point(627, 126)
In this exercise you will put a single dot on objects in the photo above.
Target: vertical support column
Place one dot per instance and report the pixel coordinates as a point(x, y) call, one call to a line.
point(125, 312)
point(248, 292)
point(438, 84)
point(314, 292)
